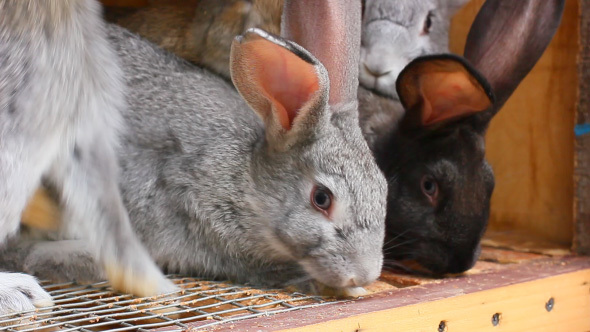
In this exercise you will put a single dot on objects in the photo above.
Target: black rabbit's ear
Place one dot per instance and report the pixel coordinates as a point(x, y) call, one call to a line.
point(507, 39)
point(439, 88)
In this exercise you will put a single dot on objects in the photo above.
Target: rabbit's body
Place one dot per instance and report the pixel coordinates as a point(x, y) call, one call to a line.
point(202, 187)
point(61, 94)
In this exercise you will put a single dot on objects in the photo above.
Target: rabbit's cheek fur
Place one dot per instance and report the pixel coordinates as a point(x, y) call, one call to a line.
point(336, 266)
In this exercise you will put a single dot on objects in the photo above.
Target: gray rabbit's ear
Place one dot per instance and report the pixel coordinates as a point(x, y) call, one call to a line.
point(331, 31)
point(282, 82)
point(439, 88)
point(507, 39)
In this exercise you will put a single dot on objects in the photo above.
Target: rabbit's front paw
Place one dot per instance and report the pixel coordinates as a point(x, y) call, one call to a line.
point(316, 287)
point(20, 292)
point(144, 281)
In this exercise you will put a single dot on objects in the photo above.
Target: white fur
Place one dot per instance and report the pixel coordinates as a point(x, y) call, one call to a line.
point(21, 292)
point(61, 94)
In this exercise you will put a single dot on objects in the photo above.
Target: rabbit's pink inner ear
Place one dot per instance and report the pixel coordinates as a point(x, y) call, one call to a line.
point(438, 89)
point(448, 95)
point(284, 79)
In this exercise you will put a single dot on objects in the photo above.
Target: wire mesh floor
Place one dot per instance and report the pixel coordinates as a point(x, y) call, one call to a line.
point(201, 303)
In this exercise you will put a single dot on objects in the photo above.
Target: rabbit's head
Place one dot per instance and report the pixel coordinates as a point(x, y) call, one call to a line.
point(394, 32)
point(440, 184)
point(318, 189)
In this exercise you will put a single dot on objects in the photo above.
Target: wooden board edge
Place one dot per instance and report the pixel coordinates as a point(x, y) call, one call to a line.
point(451, 295)
point(559, 303)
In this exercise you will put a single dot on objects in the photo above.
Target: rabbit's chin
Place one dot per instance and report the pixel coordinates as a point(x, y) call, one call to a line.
point(318, 288)
point(382, 86)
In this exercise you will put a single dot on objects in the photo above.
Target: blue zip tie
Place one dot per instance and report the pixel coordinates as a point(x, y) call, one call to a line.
point(582, 129)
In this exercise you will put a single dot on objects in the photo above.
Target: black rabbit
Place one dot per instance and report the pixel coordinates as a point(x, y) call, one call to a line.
point(440, 183)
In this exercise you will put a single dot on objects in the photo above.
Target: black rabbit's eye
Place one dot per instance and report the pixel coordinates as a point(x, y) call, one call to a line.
point(427, 23)
point(429, 187)
point(321, 199)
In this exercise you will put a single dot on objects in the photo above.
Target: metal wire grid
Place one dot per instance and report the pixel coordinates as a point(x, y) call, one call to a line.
point(201, 303)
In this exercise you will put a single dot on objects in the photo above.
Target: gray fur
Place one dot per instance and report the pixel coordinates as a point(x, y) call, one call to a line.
point(61, 91)
point(393, 35)
point(209, 196)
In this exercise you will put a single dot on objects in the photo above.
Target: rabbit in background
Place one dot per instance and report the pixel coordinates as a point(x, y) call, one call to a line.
point(61, 94)
point(395, 32)
point(284, 191)
point(200, 31)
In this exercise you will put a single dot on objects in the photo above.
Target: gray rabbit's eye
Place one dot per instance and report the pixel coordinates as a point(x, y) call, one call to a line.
point(321, 199)
point(429, 188)
point(427, 23)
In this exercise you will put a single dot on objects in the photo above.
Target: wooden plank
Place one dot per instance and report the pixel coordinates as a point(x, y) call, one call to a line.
point(466, 303)
point(582, 142)
point(529, 143)
point(517, 308)
point(519, 241)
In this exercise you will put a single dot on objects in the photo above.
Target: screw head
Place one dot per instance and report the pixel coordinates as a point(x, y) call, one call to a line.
point(550, 304)
point(496, 318)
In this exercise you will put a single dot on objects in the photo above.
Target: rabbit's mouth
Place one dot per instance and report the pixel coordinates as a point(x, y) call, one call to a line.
point(432, 259)
point(342, 274)
point(408, 266)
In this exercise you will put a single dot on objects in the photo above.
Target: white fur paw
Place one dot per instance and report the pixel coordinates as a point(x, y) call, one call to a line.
point(353, 292)
point(21, 292)
point(151, 282)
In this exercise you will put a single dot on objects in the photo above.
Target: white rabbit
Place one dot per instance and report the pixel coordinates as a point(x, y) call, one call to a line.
point(61, 94)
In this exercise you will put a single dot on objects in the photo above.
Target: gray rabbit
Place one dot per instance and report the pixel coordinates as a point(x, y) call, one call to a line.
point(440, 183)
point(61, 94)
point(394, 32)
point(280, 189)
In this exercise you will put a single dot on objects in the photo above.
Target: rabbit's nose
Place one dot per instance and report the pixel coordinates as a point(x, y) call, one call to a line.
point(376, 71)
